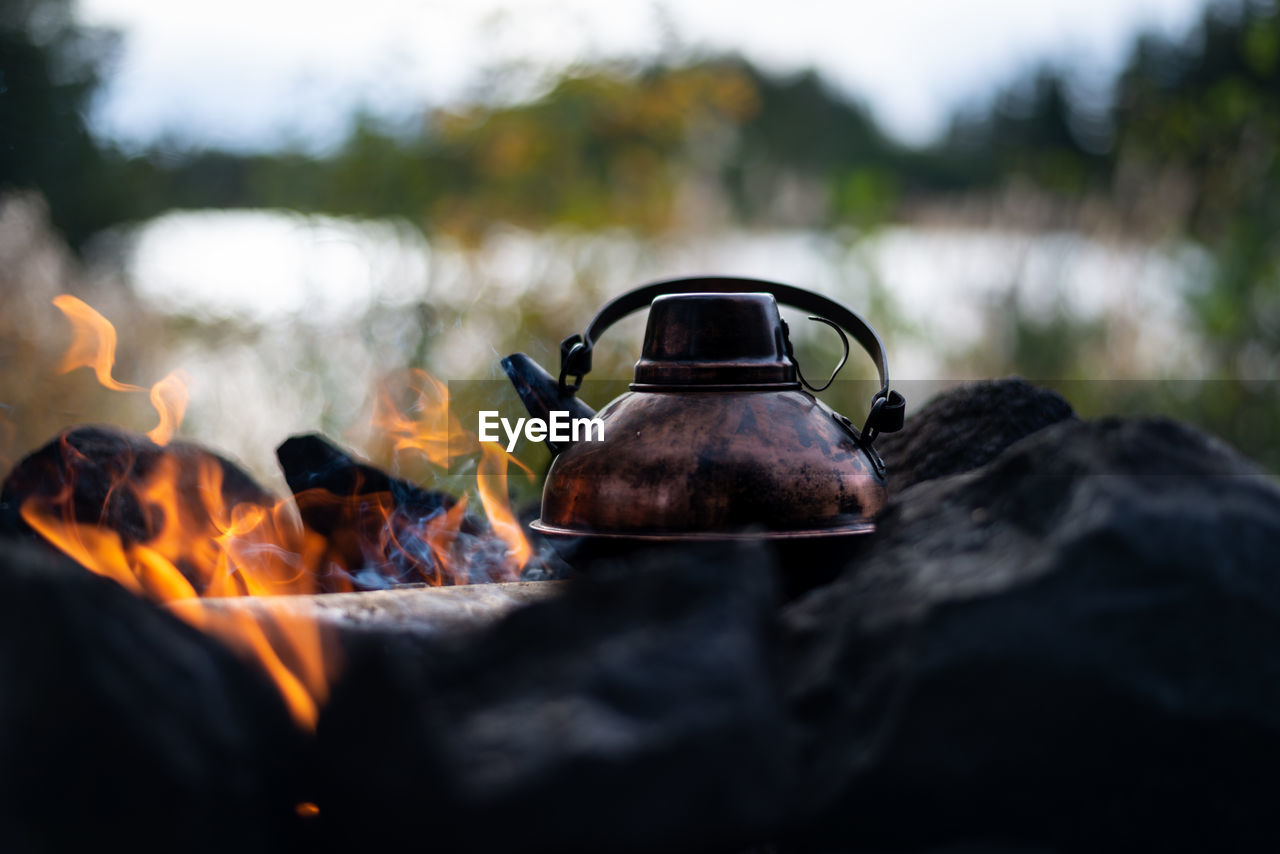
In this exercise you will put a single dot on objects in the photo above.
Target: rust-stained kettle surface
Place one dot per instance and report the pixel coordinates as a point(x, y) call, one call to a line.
point(718, 437)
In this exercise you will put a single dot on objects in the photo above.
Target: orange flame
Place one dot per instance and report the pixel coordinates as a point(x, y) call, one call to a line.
point(491, 482)
point(430, 428)
point(93, 345)
point(200, 546)
point(169, 397)
point(93, 342)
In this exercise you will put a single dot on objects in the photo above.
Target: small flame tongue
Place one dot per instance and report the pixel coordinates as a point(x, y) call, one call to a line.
point(429, 428)
point(93, 342)
point(169, 397)
point(491, 482)
point(93, 345)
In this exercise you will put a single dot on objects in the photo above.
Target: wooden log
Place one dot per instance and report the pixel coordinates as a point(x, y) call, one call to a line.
point(420, 610)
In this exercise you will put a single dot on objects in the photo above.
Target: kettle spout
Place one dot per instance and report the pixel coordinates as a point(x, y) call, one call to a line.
point(541, 394)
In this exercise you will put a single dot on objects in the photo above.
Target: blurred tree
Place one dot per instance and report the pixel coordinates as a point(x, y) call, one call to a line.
point(1033, 130)
point(50, 67)
point(807, 138)
point(1192, 153)
point(379, 172)
point(1198, 126)
point(605, 146)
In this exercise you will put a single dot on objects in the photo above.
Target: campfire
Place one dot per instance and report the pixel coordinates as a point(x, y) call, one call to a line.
point(180, 526)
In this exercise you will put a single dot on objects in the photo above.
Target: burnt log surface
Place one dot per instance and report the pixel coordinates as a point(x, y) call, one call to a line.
point(353, 505)
point(1076, 646)
point(104, 467)
point(313, 462)
point(123, 728)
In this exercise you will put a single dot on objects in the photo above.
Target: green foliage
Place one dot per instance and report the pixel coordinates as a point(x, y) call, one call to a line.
point(865, 196)
point(50, 67)
point(1033, 130)
point(604, 146)
point(1204, 113)
point(1193, 155)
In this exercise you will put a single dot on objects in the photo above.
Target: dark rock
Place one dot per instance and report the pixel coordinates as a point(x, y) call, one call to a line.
point(374, 524)
point(122, 728)
point(92, 474)
point(967, 427)
point(1076, 647)
point(637, 712)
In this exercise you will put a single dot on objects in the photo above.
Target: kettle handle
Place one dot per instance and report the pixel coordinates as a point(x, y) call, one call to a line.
point(888, 407)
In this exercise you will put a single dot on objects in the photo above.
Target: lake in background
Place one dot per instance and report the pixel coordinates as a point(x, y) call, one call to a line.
point(298, 317)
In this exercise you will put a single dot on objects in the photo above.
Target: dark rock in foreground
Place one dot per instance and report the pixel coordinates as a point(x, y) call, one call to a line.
point(1059, 639)
point(966, 427)
point(122, 728)
point(636, 713)
point(1077, 646)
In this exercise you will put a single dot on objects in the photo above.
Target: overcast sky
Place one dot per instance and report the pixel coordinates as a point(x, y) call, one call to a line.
point(257, 73)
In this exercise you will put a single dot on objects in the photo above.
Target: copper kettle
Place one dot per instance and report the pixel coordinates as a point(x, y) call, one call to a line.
point(718, 437)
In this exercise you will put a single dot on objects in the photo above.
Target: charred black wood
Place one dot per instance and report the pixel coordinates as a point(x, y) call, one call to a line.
point(313, 462)
point(122, 728)
point(967, 427)
point(1074, 647)
point(377, 527)
point(94, 475)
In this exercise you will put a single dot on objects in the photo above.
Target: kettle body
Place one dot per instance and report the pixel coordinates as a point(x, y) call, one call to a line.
point(719, 436)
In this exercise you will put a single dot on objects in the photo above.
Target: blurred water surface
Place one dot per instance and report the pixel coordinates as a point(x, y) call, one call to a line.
point(324, 306)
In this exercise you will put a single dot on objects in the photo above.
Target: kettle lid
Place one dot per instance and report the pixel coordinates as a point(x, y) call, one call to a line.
point(714, 339)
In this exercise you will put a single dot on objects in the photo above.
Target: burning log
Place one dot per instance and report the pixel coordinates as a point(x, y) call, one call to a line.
point(100, 476)
point(379, 530)
point(182, 525)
